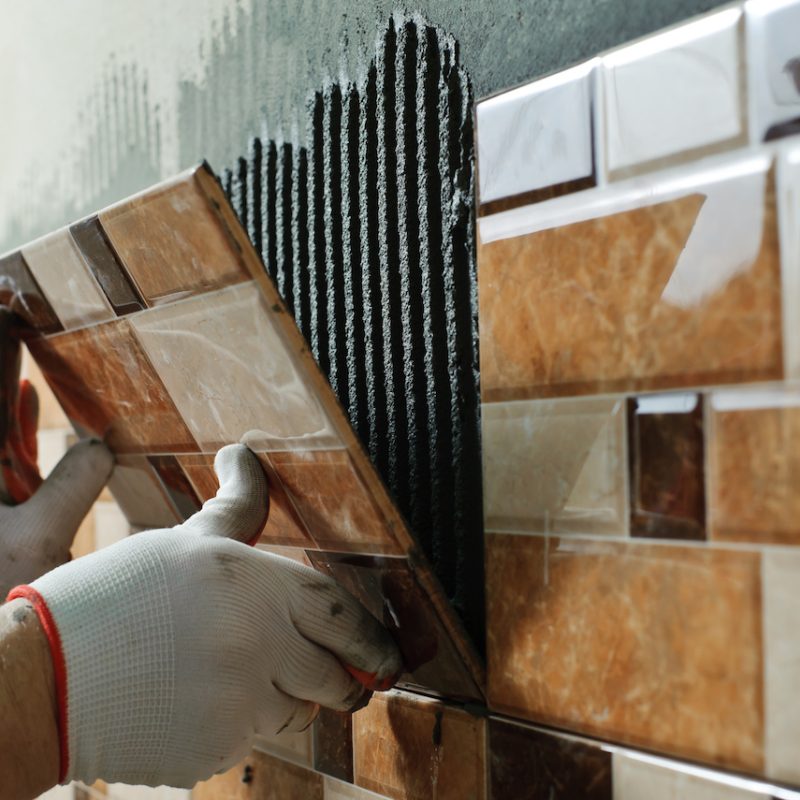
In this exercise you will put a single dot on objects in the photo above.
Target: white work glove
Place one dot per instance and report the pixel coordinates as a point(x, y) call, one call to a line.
point(174, 648)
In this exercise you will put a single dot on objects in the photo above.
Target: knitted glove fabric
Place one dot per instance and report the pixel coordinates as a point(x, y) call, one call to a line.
point(174, 648)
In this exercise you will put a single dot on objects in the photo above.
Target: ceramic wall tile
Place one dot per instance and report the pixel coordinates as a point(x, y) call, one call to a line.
point(105, 383)
point(176, 484)
point(678, 94)
point(20, 292)
point(65, 280)
point(774, 67)
point(649, 644)
point(788, 192)
point(140, 494)
point(753, 469)
point(98, 253)
point(781, 598)
point(333, 501)
point(555, 465)
point(110, 525)
point(199, 468)
point(173, 224)
point(651, 286)
point(539, 766)
point(536, 140)
point(296, 747)
point(667, 469)
point(339, 790)
point(333, 744)
point(294, 553)
point(414, 749)
point(390, 590)
point(225, 363)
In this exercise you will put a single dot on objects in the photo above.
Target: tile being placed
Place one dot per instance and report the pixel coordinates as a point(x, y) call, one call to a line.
point(667, 471)
point(536, 141)
point(227, 367)
point(296, 747)
point(20, 292)
point(173, 224)
point(199, 468)
point(555, 465)
point(676, 95)
point(754, 466)
point(644, 286)
point(333, 744)
point(176, 484)
point(140, 494)
point(653, 645)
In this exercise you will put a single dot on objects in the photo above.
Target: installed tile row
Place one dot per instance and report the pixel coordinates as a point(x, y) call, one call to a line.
point(702, 87)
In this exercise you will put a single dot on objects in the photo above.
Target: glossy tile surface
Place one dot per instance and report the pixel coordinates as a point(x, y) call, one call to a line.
point(106, 384)
point(788, 191)
point(333, 744)
point(667, 470)
point(390, 590)
point(555, 465)
point(63, 276)
point(539, 766)
point(284, 525)
point(639, 291)
point(338, 790)
point(681, 93)
point(226, 366)
point(20, 292)
point(176, 484)
point(754, 470)
point(537, 137)
point(653, 645)
point(140, 494)
point(173, 224)
point(288, 746)
point(410, 749)
point(199, 468)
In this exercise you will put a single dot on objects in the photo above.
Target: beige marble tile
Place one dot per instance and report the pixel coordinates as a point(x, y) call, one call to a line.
point(555, 466)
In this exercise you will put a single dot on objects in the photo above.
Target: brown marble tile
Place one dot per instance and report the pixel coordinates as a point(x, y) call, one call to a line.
point(644, 298)
point(531, 764)
point(172, 242)
point(333, 501)
point(99, 255)
point(333, 744)
point(754, 466)
point(20, 292)
point(176, 484)
point(654, 645)
point(199, 468)
point(667, 470)
point(391, 591)
point(413, 749)
point(262, 777)
point(284, 524)
point(106, 385)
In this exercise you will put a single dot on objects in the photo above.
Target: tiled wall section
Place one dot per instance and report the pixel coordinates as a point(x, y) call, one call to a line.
point(639, 276)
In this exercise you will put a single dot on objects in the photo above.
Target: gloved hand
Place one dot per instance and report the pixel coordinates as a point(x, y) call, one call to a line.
point(38, 521)
point(174, 648)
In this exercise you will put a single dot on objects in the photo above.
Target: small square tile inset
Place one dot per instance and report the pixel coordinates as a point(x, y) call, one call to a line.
point(333, 744)
point(333, 501)
point(542, 766)
point(20, 292)
point(667, 471)
point(176, 225)
point(225, 362)
point(106, 385)
point(555, 465)
point(412, 749)
point(389, 589)
point(284, 524)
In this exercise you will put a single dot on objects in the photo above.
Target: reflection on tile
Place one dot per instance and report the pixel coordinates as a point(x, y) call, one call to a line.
point(199, 468)
point(289, 746)
point(679, 92)
point(140, 494)
point(414, 749)
point(653, 645)
point(106, 385)
point(61, 273)
point(224, 361)
point(537, 136)
point(176, 484)
point(675, 284)
point(754, 471)
point(333, 501)
point(781, 577)
point(666, 466)
point(555, 465)
point(389, 589)
point(539, 766)
point(284, 525)
point(173, 224)
point(20, 292)
point(774, 65)
point(97, 252)
point(333, 744)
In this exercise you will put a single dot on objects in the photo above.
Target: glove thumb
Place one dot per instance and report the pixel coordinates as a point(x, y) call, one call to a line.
point(241, 507)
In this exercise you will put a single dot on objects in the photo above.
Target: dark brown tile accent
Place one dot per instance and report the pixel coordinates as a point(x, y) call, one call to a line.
point(99, 254)
point(389, 588)
point(667, 474)
point(176, 484)
point(524, 763)
point(333, 744)
point(537, 195)
point(20, 292)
